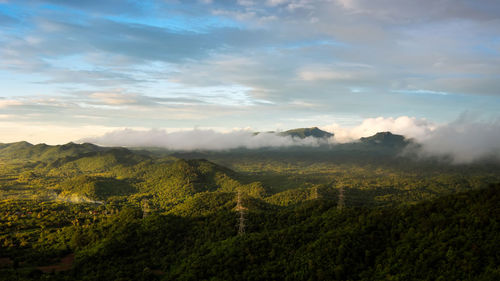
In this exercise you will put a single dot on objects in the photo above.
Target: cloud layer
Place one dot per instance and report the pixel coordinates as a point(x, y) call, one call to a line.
point(410, 127)
point(200, 139)
point(465, 140)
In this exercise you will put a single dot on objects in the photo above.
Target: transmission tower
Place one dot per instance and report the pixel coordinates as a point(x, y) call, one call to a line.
point(241, 210)
point(145, 208)
point(314, 193)
point(340, 203)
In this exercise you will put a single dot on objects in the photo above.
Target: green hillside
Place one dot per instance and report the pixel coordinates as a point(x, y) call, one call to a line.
point(110, 172)
point(24, 151)
point(358, 211)
point(95, 188)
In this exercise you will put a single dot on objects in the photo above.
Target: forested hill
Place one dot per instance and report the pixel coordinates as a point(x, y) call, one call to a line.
point(451, 238)
point(85, 173)
point(371, 171)
point(302, 133)
point(386, 139)
point(25, 151)
point(352, 212)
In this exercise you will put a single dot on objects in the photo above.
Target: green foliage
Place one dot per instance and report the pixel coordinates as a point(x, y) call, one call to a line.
point(96, 188)
point(385, 139)
point(289, 197)
point(43, 153)
point(160, 218)
point(452, 238)
point(204, 203)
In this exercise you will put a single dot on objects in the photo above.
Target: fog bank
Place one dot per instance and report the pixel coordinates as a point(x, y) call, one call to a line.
point(200, 139)
point(463, 140)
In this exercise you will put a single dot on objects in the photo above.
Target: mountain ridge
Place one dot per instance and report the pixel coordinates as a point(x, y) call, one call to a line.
point(303, 133)
point(385, 138)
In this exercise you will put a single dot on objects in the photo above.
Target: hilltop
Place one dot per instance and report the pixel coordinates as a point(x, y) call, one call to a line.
point(385, 139)
point(302, 133)
point(42, 152)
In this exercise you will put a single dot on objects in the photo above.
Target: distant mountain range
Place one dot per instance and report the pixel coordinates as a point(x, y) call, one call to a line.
point(43, 152)
point(381, 138)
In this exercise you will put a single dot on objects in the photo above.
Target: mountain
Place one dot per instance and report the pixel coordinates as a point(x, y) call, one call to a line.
point(86, 172)
point(43, 152)
point(303, 133)
point(385, 139)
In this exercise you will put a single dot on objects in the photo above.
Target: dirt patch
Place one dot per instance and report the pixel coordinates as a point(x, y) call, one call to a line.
point(6, 262)
point(65, 264)
point(158, 272)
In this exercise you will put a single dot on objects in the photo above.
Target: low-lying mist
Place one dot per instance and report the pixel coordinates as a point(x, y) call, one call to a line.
point(464, 140)
point(467, 139)
point(201, 139)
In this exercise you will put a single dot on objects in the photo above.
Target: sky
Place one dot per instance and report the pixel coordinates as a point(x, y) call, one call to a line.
point(71, 70)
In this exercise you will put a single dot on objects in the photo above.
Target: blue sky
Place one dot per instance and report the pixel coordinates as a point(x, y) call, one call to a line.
point(75, 68)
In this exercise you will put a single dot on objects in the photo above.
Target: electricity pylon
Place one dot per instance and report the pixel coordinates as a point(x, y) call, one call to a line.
point(241, 210)
point(145, 208)
point(340, 203)
point(314, 193)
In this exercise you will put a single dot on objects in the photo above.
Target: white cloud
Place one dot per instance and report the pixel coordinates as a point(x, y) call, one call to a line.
point(199, 139)
point(465, 140)
point(410, 127)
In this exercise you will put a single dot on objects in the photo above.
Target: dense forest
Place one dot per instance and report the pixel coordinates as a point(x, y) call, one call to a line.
point(360, 211)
